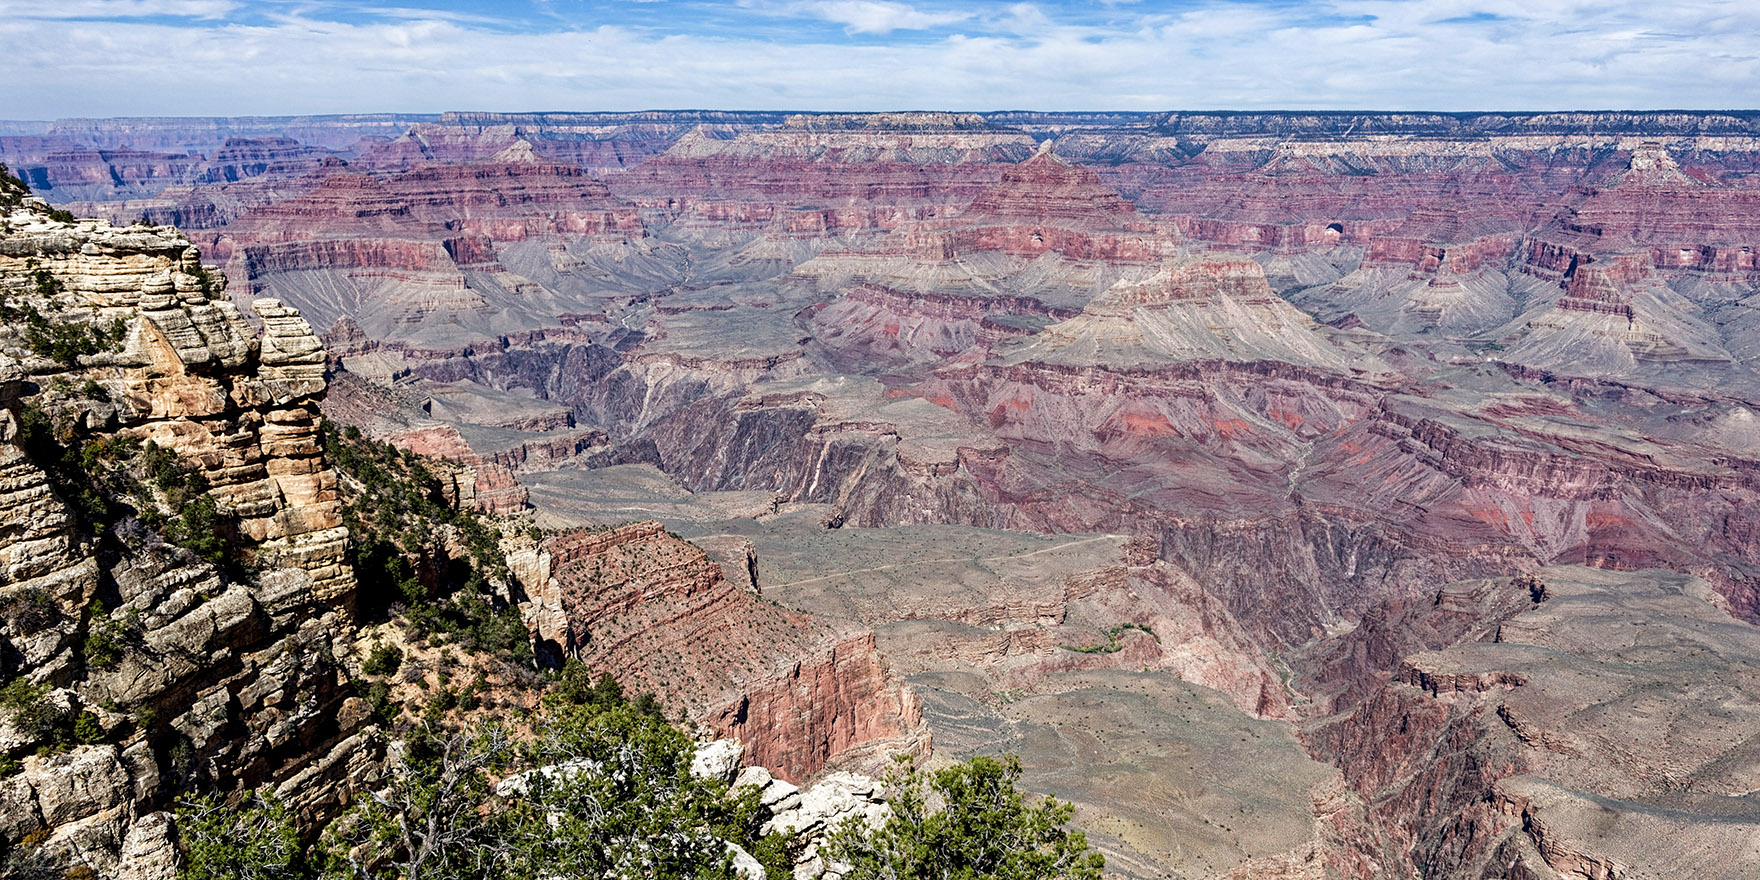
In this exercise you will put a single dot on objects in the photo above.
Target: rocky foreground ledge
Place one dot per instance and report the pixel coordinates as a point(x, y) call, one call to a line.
point(118, 341)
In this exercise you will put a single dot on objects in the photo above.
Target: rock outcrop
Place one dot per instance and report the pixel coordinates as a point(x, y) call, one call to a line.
point(800, 693)
point(194, 677)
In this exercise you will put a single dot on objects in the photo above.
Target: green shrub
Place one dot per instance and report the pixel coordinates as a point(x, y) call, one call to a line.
point(60, 339)
point(382, 660)
point(34, 717)
point(197, 528)
point(87, 730)
point(37, 721)
point(45, 284)
point(30, 611)
point(105, 478)
point(1113, 644)
point(440, 817)
point(378, 697)
point(204, 279)
point(177, 479)
point(984, 829)
point(573, 685)
point(398, 547)
point(108, 637)
point(13, 189)
point(56, 448)
point(256, 840)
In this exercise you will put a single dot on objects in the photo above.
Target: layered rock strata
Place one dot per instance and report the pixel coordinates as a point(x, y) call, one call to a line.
point(800, 693)
point(195, 678)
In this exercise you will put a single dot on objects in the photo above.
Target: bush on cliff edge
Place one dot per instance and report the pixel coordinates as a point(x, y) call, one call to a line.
point(984, 830)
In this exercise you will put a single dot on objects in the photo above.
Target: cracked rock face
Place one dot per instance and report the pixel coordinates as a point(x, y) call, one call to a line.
point(812, 814)
point(802, 694)
point(192, 376)
point(219, 679)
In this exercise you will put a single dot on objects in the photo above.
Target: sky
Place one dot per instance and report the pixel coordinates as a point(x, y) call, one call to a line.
point(273, 57)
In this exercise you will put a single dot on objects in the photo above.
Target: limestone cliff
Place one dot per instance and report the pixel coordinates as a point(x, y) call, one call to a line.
point(142, 412)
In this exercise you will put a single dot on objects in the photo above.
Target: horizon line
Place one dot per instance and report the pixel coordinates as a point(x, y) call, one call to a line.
point(1754, 111)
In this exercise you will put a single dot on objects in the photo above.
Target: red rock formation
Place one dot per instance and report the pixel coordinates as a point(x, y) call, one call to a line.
point(1042, 205)
point(1047, 188)
point(514, 201)
point(499, 201)
point(841, 705)
point(883, 322)
point(356, 202)
point(1447, 487)
point(1486, 760)
point(723, 190)
point(801, 694)
point(1681, 223)
point(492, 487)
point(1603, 287)
point(276, 157)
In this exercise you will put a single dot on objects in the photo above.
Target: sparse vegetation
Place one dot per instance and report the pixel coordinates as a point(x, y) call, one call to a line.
point(403, 532)
point(105, 479)
point(204, 279)
point(108, 637)
point(256, 840)
point(383, 660)
point(47, 727)
point(968, 821)
point(617, 800)
point(1113, 643)
point(56, 335)
point(573, 685)
point(13, 189)
point(30, 611)
point(197, 528)
point(13, 192)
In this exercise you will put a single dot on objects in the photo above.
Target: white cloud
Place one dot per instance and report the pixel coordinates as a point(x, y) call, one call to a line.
point(873, 16)
point(100, 9)
point(1345, 54)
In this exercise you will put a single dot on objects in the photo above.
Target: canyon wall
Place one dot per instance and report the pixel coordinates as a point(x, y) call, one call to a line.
point(800, 693)
point(193, 678)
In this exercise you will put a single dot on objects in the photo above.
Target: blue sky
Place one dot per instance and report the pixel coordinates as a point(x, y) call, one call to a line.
point(235, 57)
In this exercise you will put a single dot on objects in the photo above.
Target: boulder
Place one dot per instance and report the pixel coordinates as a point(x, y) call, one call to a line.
point(717, 760)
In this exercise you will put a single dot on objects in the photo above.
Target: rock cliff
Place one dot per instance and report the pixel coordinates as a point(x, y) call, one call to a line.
point(192, 674)
point(799, 692)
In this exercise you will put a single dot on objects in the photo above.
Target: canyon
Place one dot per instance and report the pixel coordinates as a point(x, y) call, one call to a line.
point(1299, 494)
